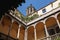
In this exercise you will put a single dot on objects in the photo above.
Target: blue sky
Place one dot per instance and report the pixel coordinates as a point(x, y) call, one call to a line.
point(36, 3)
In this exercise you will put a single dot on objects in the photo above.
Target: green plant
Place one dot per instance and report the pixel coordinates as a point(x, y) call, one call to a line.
point(22, 18)
point(57, 38)
point(27, 18)
point(36, 15)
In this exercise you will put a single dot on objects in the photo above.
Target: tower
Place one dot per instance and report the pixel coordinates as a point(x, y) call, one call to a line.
point(30, 10)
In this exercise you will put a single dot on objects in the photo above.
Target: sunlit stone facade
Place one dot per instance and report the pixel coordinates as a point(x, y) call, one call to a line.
point(45, 27)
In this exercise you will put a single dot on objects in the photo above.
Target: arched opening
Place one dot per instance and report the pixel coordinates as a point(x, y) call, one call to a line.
point(40, 30)
point(6, 20)
point(58, 17)
point(5, 24)
point(14, 29)
point(31, 33)
point(22, 33)
point(52, 26)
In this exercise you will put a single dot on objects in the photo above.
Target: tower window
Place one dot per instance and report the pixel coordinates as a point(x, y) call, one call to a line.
point(44, 10)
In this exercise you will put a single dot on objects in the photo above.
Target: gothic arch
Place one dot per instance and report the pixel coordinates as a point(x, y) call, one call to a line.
point(15, 25)
point(5, 24)
point(22, 33)
point(58, 17)
point(6, 20)
point(40, 30)
point(31, 33)
point(14, 29)
point(51, 21)
point(52, 26)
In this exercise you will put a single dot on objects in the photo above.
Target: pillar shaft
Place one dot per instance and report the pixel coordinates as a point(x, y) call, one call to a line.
point(58, 22)
point(35, 37)
point(10, 27)
point(25, 37)
point(35, 33)
point(46, 31)
point(18, 32)
point(47, 34)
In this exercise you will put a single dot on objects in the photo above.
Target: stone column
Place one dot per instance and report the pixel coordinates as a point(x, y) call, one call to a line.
point(10, 29)
point(35, 33)
point(47, 34)
point(57, 21)
point(18, 32)
point(46, 31)
point(25, 37)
